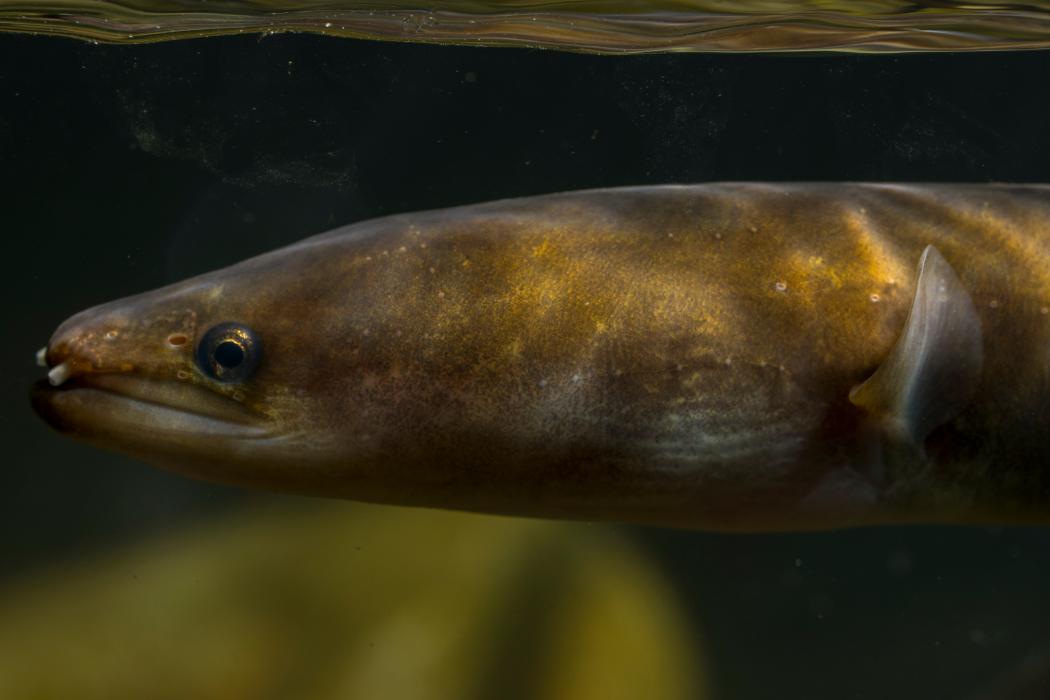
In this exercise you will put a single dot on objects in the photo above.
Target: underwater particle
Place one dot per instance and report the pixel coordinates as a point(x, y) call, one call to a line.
point(821, 605)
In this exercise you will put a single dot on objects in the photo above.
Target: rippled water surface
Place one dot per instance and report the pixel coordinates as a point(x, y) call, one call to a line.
point(577, 25)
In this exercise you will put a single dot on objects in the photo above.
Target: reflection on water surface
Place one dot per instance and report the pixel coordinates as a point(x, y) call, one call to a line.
point(599, 26)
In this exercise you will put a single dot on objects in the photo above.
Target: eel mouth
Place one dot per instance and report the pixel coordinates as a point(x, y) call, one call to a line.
point(128, 408)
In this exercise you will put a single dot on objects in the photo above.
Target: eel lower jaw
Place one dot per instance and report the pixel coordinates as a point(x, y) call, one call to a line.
point(125, 410)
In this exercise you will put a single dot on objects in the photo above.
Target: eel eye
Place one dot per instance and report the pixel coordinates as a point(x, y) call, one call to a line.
point(229, 352)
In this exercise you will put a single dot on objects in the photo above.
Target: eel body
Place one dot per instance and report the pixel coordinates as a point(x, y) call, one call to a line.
point(724, 356)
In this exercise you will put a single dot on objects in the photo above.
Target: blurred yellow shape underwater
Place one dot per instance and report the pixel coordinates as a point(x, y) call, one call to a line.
point(351, 601)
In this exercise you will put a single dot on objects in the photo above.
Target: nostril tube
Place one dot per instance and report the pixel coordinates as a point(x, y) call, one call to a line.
point(59, 374)
point(41, 357)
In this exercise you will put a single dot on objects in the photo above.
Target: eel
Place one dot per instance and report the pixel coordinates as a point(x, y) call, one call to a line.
point(735, 357)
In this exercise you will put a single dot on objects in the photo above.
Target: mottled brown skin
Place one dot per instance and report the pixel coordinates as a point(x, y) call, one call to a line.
point(677, 355)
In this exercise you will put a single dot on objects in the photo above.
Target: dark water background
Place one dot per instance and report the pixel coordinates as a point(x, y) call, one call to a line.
point(124, 168)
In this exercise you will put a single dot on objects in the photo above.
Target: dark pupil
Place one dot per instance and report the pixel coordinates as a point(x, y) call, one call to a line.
point(229, 354)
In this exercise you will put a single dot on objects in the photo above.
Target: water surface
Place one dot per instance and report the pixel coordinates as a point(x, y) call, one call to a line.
point(600, 26)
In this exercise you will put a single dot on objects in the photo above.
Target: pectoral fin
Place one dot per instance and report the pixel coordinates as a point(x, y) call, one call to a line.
point(932, 372)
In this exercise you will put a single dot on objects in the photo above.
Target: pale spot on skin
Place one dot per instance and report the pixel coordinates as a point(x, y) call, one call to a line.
point(994, 304)
point(1045, 310)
